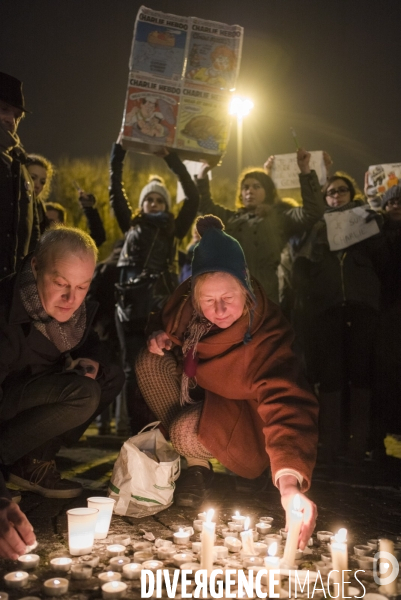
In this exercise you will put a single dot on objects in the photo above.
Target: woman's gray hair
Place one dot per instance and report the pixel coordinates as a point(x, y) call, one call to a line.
point(61, 239)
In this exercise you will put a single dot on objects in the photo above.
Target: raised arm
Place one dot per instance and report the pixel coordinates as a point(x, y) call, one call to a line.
point(207, 206)
point(95, 223)
point(118, 198)
point(190, 205)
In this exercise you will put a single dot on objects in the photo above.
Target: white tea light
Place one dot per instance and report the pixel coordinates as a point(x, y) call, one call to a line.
point(61, 563)
point(152, 565)
point(263, 528)
point(233, 544)
point(117, 562)
point(16, 579)
point(181, 558)
point(181, 537)
point(28, 561)
point(80, 571)
point(142, 555)
point(55, 587)
point(113, 590)
point(167, 553)
point(123, 539)
point(109, 576)
point(115, 550)
point(132, 571)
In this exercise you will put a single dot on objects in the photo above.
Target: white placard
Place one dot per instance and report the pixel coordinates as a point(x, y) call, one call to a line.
point(383, 177)
point(285, 169)
point(348, 227)
point(193, 167)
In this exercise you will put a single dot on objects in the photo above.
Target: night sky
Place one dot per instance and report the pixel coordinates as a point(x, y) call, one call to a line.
point(331, 70)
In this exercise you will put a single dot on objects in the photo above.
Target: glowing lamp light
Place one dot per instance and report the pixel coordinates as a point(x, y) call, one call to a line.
point(240, 107)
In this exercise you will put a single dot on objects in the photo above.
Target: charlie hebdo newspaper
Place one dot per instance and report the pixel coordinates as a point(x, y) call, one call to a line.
point(183, 71)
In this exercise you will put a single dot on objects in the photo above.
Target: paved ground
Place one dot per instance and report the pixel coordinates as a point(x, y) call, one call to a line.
point(365, 501)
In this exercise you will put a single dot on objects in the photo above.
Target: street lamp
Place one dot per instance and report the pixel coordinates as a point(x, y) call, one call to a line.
point(240, 107)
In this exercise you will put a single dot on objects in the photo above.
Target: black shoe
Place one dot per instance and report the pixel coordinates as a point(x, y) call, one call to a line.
point(193, 486)
point(252, 486)
point(42, 477)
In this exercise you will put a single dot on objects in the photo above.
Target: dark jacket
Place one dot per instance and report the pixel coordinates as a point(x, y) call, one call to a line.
point(264, 237)
point(95, 224)
point(25, 352)
point(22, 217)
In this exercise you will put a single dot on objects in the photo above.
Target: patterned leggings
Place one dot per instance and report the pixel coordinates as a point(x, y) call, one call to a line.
point(160, 386)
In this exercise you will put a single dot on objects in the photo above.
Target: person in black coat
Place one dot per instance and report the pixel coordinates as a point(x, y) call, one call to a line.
point(147, 265)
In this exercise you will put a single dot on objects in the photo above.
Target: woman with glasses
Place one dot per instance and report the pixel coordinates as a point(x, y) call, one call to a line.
point(339, 298)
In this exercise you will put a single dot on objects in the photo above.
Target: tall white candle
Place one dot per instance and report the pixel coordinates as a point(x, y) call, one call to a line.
point(247, 539)
point(390, 589)
point(339, 557)
point(272, 562)
point(208, 534)
point(291, 544)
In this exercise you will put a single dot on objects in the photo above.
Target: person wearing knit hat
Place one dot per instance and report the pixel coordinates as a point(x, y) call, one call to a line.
point(391, 202)
point(220, 336)
point(147, 266)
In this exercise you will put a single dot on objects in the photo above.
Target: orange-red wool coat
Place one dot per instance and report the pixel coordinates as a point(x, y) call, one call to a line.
point(258, 408)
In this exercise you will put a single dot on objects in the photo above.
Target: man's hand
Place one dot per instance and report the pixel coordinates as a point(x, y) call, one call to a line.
point(288, 489)
point(268, 165)
point(86, 200)
point(207, 166)
point(328, 162)
point(303, 160)
point(16, 532)
point(159, 341)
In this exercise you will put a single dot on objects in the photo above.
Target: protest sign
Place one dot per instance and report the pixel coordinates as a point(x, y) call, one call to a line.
point(348, 227)
point(182, 70)
point(383, 177)
point(285, 169)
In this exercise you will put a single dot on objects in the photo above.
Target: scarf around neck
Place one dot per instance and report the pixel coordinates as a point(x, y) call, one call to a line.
point(63, 335)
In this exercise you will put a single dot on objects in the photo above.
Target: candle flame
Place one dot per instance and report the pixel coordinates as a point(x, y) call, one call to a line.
point(114, 584)
point(341, 536)
point(180, 530)
point(237, 513)
point(297, 502)
point(209, 515)
point(110, 573)
point(272, 551)
point(19, 574)
point(247, 523)
point(56, 582)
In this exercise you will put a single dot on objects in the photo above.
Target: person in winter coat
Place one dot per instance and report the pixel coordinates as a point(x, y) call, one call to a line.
point(338, 302)
point(220, 331)
point(263, 223)
point(147, 263)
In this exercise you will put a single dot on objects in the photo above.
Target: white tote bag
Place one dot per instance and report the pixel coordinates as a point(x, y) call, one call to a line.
point(142, 482)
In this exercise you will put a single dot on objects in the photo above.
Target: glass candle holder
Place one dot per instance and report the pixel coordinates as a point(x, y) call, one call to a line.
point(105, 507)
point(81, 530)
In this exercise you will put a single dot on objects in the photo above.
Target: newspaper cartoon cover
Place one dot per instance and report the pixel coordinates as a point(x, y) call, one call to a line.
point(151, 110)
point(159, 44)
point(203, 125)
point(214, 54)
point(383, 177)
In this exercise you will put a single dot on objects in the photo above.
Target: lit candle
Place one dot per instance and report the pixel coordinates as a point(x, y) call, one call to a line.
point(81, 571)
point(272, 562)
point(227, 533)
point(181, 537)
point(115, 550)
point(16, 579)
point(117, 562)
point(238, 518)
point(132, 571)
point(233, 544)
point(339, 557)
point(55, 587)
point(263, 528)
point(386, 568)
point(182, 557)
point(105, 508)
point(81, 530)
point(247, 539)
point(123, 539)
point(3, 596)
point(113, 590)
point(152, 565)
point(252, 561)
point(294, 528)
point(208, 534)
point(28, 561)
point(109, 576)
point(261, 548)
point(61, 563)
point(235, 525)
point(166, 553)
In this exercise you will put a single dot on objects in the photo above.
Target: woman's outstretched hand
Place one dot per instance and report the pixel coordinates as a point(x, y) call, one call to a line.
point(159, 341)
point(307, 507)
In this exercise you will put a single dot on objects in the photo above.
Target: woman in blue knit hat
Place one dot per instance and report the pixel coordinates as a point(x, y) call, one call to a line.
point(220, 333)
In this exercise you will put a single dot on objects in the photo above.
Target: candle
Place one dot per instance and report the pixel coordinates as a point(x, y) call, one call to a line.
point(113, 590)
point(252, 561)
point(266, 519)
point(183, 557)
point(109, 576)
point(33, 546)
point(55, 587)
point(272, 562)
point(81, 530)
point(227, 533)
point(90, 560)
point(190, 566)
point(271, 538)
point(386, 568)
point(220, 552)
point(339, 555)
point(152, 565)
point(233, 544)
point(262, 527)
point(61, 563)
point(294, 528)
point(261, 548)
point(3, 596)
point(105, 508)
point(181, 537)
point(247, 539)
point(115, 550)
point(198, 524)
point(283, 533)
point(196, 546)
point(123, 539)
point(117, 562)
point(16, 579)
point(238, 518)
point(362, 550)
point(81, 571)
point(142, 545)
point(160, 543)
point(142, 555)
point(324, 536)
point(167, 553)
point(373, 544)
point(132, 571)
point(208, 534)
point(202, 516)
point(235, 526)
point(28, 561)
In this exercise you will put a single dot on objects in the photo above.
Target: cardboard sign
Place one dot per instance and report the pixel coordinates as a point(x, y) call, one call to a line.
point(348, 227)
point(285, 169)
point(383, 177)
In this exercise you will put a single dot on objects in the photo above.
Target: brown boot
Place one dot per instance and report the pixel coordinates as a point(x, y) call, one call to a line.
point(42, 477)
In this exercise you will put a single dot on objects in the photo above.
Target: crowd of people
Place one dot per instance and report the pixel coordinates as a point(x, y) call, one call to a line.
point(171, 335)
